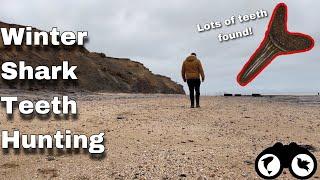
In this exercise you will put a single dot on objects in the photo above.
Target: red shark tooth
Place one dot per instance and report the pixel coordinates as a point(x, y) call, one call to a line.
point(277, 41)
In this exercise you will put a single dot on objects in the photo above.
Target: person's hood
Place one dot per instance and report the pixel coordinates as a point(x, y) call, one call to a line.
point(191, 58)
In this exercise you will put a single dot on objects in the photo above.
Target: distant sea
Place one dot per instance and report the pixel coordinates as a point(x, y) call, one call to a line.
point(301, 99)
point(310, 98)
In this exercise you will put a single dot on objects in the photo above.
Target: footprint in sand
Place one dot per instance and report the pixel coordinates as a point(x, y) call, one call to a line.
point(48, 172)
point(9, 165)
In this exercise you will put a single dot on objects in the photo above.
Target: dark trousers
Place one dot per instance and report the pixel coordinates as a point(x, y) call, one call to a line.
point(194, 85)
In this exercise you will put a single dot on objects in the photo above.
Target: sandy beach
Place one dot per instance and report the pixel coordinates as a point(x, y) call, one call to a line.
point(160, 137)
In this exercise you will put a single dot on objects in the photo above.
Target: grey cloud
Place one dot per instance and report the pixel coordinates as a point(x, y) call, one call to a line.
point(161, 34)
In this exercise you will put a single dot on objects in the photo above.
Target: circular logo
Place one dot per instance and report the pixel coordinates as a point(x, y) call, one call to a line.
point(268, 166)
point(303, 166)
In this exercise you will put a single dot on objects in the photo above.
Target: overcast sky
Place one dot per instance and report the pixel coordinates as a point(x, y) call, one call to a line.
point(160, 34)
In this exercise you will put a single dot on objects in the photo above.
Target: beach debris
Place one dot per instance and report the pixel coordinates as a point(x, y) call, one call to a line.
point(256, 95)
point(245, 174)
point(120, 117)
point(183, 175)
point(50, 158)
point(248, 162)
point(227, 94)
point(277, 41)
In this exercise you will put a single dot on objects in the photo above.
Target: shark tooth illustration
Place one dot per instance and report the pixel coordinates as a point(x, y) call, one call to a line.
point(277, 41)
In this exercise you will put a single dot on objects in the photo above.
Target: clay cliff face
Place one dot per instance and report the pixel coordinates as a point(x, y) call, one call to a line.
point(95, 71)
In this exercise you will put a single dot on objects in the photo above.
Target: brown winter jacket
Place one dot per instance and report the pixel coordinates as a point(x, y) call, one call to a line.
point(192, 68)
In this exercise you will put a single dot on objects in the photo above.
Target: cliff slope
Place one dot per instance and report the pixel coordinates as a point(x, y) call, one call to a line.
point(95, 71)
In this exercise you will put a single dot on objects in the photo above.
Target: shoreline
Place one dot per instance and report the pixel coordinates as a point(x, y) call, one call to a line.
point(86, 95)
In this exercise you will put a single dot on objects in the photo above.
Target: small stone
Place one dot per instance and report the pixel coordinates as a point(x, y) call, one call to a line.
point(201, 178)
point(51, 158)
point(248, 162)
point(120, 117)
point(245, 174)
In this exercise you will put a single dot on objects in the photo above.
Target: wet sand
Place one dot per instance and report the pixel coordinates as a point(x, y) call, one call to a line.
point(160, 137)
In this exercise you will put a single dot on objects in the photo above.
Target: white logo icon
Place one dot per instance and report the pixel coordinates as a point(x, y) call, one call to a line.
point(269, 166)
point(302, 165)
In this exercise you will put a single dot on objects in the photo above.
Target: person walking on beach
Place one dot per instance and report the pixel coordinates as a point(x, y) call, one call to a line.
point(191, 72)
